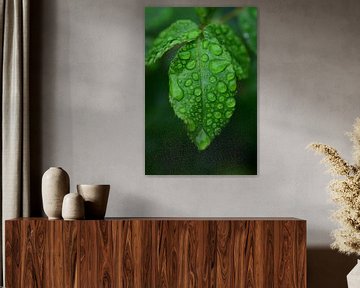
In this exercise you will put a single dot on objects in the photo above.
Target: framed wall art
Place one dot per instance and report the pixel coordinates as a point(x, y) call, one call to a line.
point(201, 90)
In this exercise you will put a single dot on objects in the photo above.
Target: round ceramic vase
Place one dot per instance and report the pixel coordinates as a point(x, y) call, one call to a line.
point(96, 198)
point(55, 185)
point(73, 207)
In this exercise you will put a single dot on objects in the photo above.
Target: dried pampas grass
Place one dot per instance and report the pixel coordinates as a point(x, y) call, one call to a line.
point(345, 191)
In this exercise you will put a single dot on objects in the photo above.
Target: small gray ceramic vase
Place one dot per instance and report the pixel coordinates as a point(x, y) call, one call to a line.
point(96, 198)
point(73, 207)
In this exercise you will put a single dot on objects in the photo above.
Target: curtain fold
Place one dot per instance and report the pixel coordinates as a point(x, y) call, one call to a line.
point(15, 160)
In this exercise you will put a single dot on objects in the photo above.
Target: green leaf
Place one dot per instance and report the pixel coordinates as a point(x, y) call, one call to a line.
point(232, 43)
point(248, 25)
point(182, 31)
point(202, 86)
point(204, 13)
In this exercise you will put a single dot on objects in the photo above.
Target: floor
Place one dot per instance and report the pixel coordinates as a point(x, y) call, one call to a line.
point(328, 268)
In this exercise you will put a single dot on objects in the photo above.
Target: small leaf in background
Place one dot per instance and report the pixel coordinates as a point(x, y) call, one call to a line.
point(180, 32)
point(202, 85)
point(157, 17)
point(204, 13)
point(248, 25)
point(233, 44)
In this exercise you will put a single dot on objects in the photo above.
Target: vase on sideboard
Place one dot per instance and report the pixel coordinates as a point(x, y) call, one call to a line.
point(73, 207)
point(55, 185)
point(96, 198)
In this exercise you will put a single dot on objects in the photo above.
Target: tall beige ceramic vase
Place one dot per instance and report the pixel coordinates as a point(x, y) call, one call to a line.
point(55, 185)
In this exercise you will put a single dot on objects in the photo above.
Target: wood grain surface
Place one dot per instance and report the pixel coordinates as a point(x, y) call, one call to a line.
point(160, 252)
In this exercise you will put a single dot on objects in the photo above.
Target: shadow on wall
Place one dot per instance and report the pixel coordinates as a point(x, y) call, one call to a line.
point(328, 268)
point(35, 64)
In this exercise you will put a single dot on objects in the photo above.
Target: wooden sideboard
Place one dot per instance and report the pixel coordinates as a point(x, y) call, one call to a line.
point(156, 252)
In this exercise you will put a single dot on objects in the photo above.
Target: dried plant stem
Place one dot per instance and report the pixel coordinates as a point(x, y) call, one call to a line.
point(355, 138)
point(337, 164)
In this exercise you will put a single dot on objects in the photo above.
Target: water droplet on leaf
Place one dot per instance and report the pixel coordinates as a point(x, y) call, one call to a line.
point(191, 65)
point(217, 115)
point(205, 44)
point(217, 66)
point(202, 140)
point(175, 90)
point(230, 76)
point(221, 87)
point(204, 58)
point(197, 91)
point(228, 114)
point(215, 49)
point(195, 76)
point(230, 102)
point(185, 55)
point(188, 82)
point(211, 97)
point(191, 125)
point(232, 85)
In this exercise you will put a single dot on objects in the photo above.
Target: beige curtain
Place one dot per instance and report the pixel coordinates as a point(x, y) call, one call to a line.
point(14, 25)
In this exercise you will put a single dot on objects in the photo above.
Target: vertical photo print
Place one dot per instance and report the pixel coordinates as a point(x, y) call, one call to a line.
point(201, 90)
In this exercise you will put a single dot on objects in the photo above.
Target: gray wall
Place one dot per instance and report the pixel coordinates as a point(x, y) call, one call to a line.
point(88, 108)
